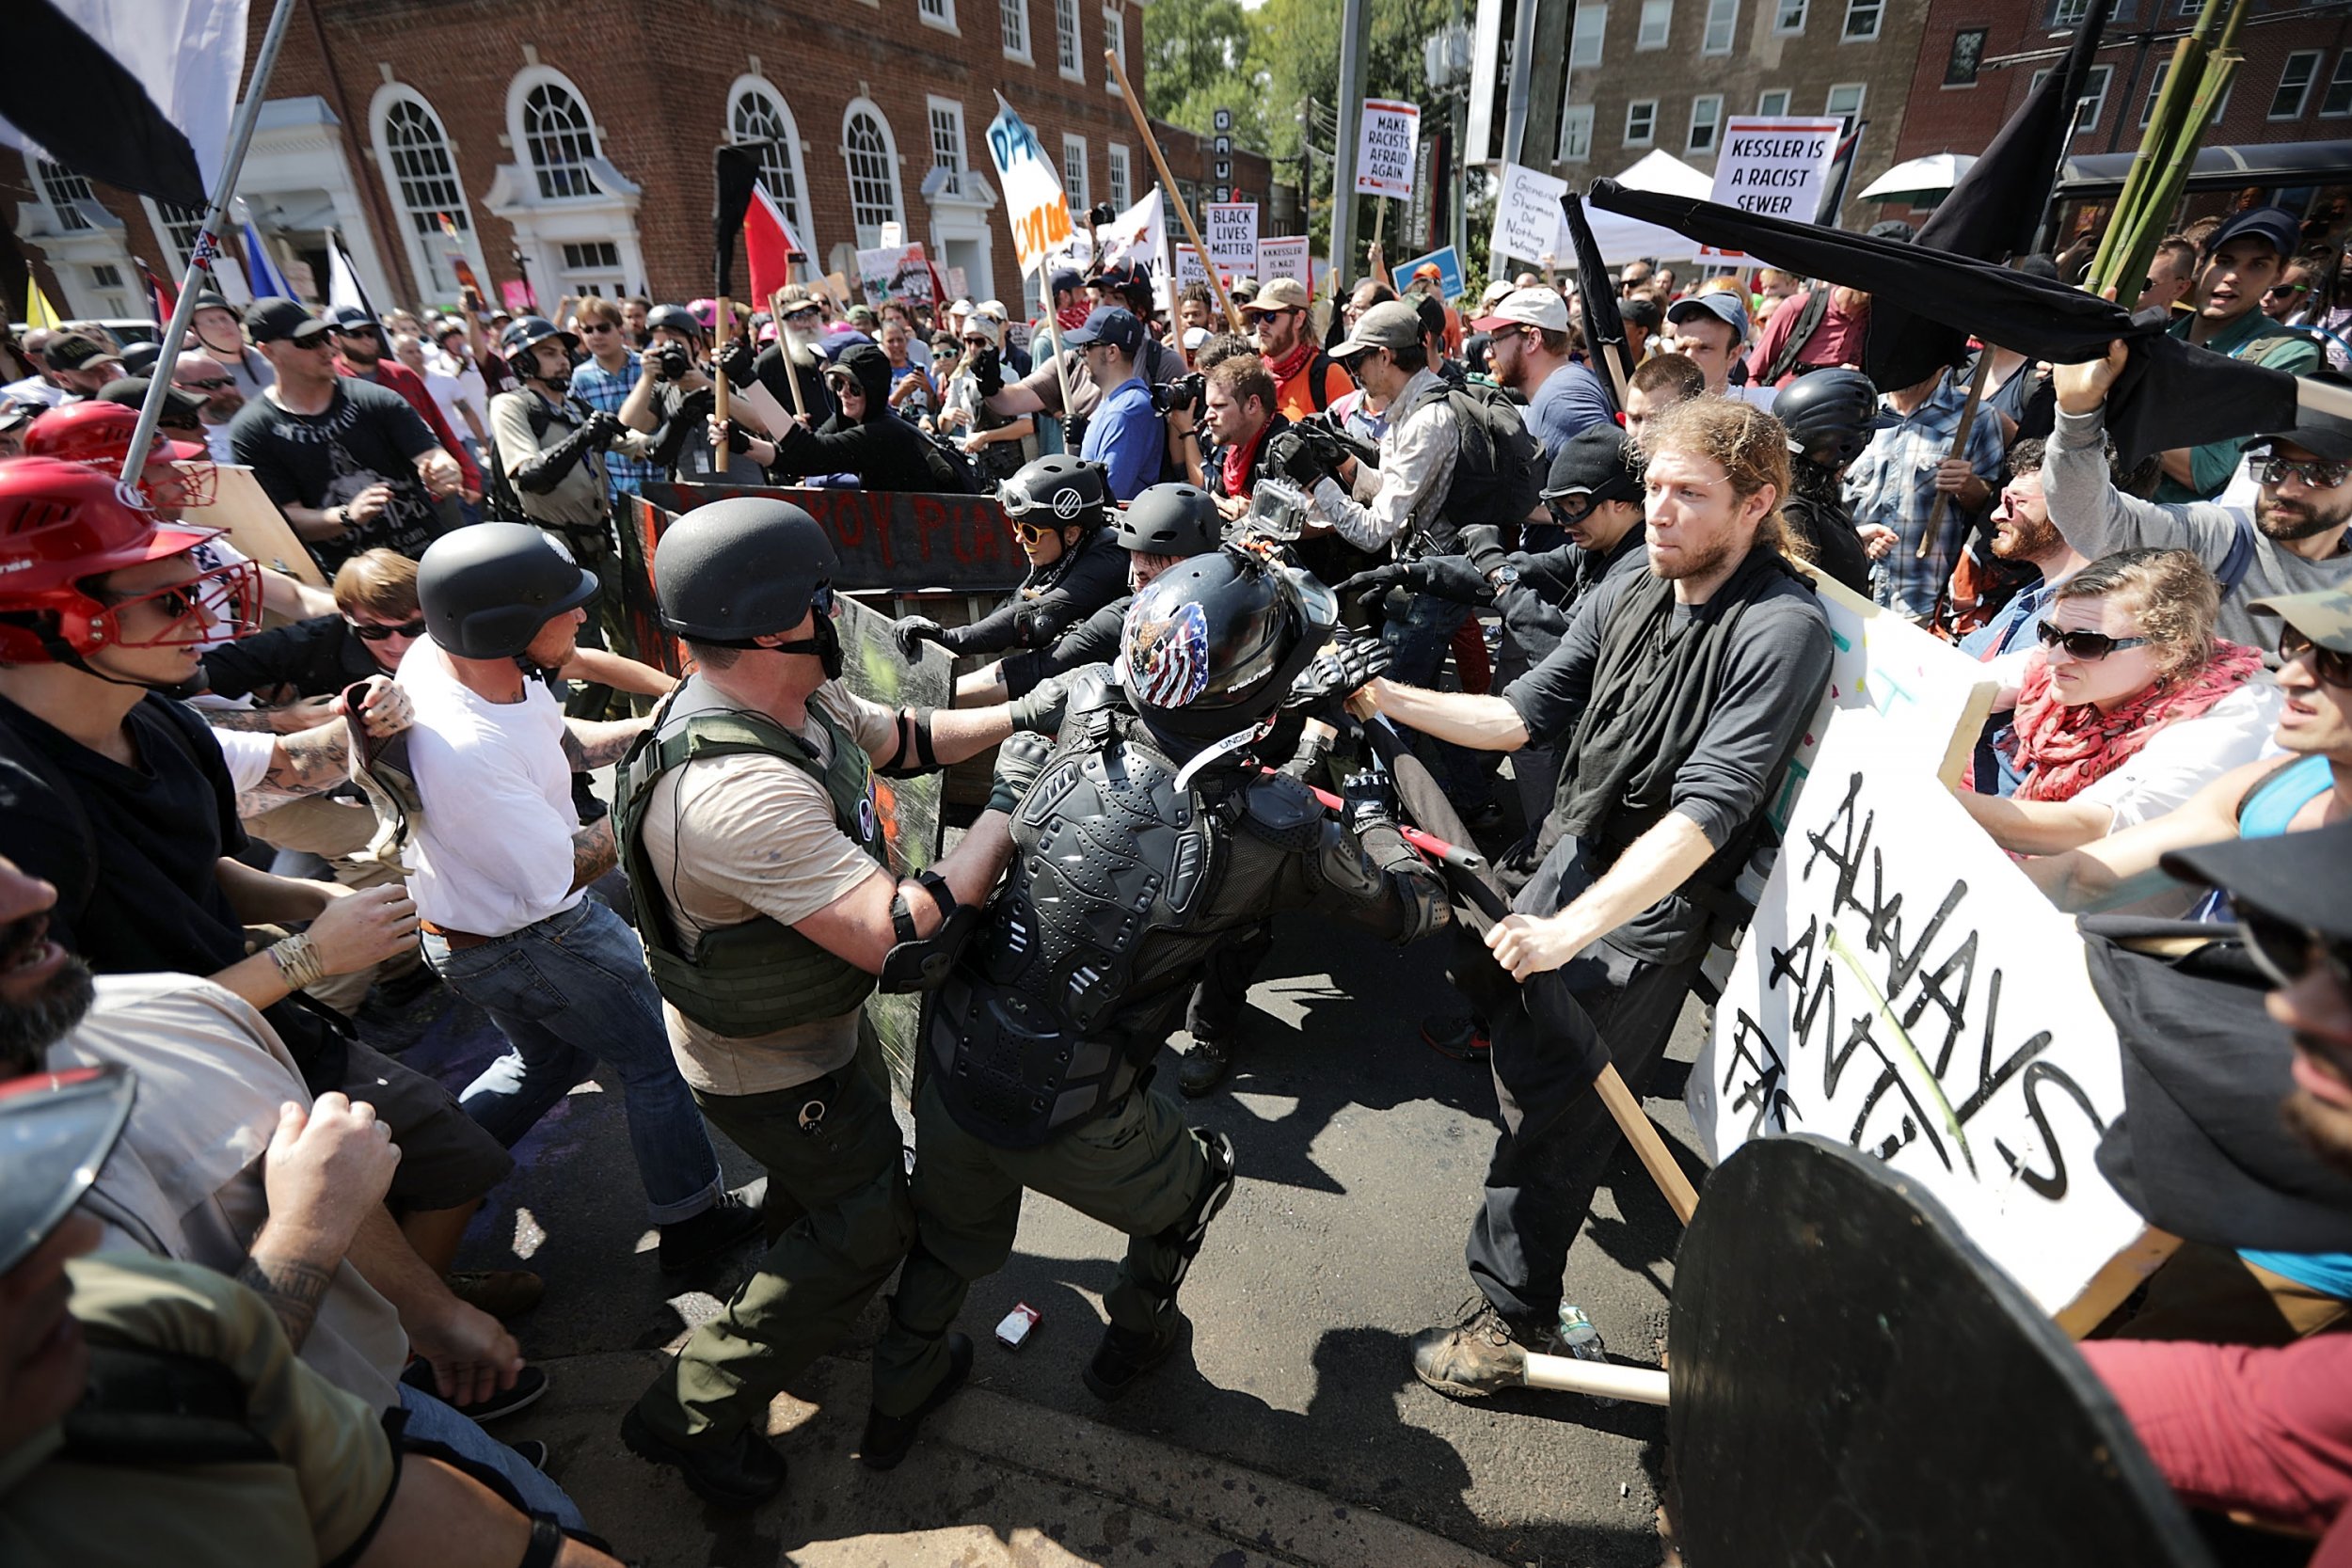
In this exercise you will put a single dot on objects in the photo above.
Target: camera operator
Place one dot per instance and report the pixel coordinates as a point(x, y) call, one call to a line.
point(1039, 392)
point(672, 400)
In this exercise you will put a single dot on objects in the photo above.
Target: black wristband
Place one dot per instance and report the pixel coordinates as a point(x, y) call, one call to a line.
point(547, 1540)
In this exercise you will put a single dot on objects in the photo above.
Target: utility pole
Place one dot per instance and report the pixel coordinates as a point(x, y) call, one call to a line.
point(1307, 177)
point(1522, 64)
point(1457, 123)
point(1353, 37)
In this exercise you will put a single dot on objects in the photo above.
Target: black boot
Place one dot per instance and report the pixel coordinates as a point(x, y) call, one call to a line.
point(744, 1472)
point(689, 1244)
point(1206, 1064)
point(888, 1437)
point(1123, 1356)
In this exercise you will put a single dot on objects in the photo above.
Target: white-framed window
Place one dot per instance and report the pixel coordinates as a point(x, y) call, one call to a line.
point(2337, 102)
point(937, 14)
point(558, 139)
point(1707, 121)
point(1773, 101)
point(2068, 13)
point(1066, 39)
point(1592, 31)
point(65, 191)
point(757, 112)
point(107, 277)
point(1012, 27)
point(1722, 26)
point(870, 154)
point(591, 267)
point(1788, 16)
point(1657, 24)
point(1845, 99)
point(420, 170)
point(2295, 84)
point(1576, 134)
point(946, 118)
point(1862, 20)
point(2155, 90)
point(179, 227)
point(1641, 122)
point(1073, 172)
point(1115, 29)
point(2092, 104)
point(1122, 192)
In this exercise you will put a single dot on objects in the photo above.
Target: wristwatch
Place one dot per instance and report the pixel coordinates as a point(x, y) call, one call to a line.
point(1504, 579)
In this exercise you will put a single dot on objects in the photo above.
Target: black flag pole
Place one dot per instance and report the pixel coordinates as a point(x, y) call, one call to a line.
point(1596, 300)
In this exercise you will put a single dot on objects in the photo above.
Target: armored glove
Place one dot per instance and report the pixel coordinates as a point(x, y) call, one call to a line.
point(913, 632)
point(1343, 665)
point(738, 360)
point(1020, 761)
point(1367, 800)
point(1041, 708)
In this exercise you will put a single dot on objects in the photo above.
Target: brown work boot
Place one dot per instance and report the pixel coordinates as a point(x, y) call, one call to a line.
point(504, 1293)
point(1481, 1355)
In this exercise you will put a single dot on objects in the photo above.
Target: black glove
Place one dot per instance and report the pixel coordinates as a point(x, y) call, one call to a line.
point(1301, 460)
point(988, 372)
point(738, 440)
point(913, 632)
point(739, 362)
point(1041, 707)
point(1343, 665)
point(1367, 800)
point(603, 429)
point(1449, 577)
point(1369, 588)
point(1020, 761)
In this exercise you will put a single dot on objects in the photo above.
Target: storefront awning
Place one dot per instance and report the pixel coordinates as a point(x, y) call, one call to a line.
point(2270, 163)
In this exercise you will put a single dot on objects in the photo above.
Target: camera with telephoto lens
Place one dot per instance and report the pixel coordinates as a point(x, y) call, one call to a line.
point(1187, 392)
point(670, 361)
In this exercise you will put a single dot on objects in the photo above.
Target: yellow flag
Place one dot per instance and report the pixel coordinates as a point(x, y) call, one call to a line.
point(38, 310)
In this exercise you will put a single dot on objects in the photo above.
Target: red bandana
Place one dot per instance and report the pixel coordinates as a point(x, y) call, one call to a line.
point(1239, 459)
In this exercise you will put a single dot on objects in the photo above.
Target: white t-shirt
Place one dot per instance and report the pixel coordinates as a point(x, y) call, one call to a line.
point(495, 851)
point(248, 753)
point(447, 392)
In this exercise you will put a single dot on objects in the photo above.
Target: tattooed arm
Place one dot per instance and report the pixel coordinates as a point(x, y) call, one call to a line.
point(326, 1169)
point(594, 852)
point(592, 743)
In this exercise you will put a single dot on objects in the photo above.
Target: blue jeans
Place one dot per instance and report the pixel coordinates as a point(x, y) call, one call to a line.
point(434, 1420)
point(568, 993)
point(1418, 641)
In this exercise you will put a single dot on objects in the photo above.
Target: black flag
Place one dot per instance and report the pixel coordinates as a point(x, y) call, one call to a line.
point(68, 94)
point(1596, 299)
point(736, 171)
point(2171, 394)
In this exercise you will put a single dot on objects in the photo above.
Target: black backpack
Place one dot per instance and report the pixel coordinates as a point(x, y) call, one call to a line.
point(1497, 479)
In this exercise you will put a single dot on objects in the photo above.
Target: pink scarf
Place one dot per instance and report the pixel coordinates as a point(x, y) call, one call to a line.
point(2064, 748)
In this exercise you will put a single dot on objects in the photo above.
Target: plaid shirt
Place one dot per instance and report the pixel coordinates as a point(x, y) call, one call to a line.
point(1893, 485)
point(607, 390)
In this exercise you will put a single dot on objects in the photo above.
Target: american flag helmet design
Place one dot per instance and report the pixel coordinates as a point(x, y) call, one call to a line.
point(1167, 656)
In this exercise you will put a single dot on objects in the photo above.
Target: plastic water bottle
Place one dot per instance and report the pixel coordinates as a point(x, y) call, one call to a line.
point(1577, 1337)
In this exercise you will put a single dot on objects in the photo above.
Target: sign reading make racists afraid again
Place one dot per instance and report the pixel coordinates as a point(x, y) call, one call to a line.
point(1385, 149)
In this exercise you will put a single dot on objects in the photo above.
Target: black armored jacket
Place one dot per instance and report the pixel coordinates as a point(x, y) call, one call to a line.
point(1120, 886)
point(1051, 599)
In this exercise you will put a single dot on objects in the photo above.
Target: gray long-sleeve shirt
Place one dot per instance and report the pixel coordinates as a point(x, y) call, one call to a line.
point(2098, 519)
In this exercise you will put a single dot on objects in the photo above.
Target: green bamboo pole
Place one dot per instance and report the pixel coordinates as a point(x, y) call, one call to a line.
point(2154, 218)
point(2159, 147)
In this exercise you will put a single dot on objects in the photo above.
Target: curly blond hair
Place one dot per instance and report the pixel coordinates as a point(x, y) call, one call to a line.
point(2171, 594)
point(1749, 445)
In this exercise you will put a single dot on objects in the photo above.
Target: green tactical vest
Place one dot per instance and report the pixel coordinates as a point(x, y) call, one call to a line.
point(758, 976)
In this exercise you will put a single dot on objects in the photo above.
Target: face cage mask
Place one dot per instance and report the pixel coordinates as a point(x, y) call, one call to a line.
point(217, 604)
point(194, 482)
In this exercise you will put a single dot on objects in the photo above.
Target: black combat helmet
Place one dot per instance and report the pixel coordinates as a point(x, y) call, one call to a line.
point(740, 568)
point(1172, 519)
point(1830, 415)
point(1059, 491)
point(486, 590)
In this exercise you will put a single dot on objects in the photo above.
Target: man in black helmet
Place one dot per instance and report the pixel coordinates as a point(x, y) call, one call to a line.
point(1829, 415)
point(673, 399)
point(1148, 837)
point(1057, 507)
point(750, 825)
point(501, 867)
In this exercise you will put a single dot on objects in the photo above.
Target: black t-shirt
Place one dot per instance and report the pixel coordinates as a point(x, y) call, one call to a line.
point(316, 658)
point(368, 436)
point(137, 888)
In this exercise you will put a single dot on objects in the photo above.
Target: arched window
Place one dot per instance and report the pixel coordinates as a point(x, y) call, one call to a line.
point(872, 160)
point(66, 191)
point(559, 140)
point(757, 112)
point(424, 177)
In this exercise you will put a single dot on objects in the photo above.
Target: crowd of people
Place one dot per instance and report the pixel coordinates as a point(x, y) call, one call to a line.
point(1284, 566)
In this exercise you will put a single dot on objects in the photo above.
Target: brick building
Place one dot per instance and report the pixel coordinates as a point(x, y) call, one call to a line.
point(1249, 177)
point(569, 143)
point(1609, 80)
point(2289, 109)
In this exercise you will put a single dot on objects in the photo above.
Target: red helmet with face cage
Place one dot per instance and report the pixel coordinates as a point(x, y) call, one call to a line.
point(63, 525)
point(99, 434)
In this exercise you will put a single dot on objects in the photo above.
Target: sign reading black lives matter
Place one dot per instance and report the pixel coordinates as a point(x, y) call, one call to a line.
point(1904, 989)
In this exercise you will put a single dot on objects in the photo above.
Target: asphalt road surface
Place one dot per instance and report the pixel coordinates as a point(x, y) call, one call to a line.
point(1361, 1152)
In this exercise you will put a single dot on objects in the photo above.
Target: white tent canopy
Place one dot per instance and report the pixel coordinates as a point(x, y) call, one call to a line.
point(1624, 239)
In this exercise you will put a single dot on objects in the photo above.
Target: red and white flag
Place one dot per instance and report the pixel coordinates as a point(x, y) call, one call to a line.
point(768, 241)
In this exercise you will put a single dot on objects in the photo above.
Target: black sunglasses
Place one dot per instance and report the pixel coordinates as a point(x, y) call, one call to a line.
point(2332, 666)
point(2318, 475)
point(2085, 644)
point(381, 634)
point(2286, 951)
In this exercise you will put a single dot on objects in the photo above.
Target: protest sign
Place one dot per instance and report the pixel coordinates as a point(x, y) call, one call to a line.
point(1449, 264)
point(1526, 217)
point(1777, 164)
point(1230, 230)
point(1283, 256)
point(1035, 206)
point(893, 272)
point(1385, 148)
point(1904, 989)
point(256, 526)
point(1189, 268)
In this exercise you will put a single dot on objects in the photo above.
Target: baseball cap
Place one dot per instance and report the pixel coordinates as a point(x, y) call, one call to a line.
point(1279, 294)
point(1722, 305)
point(1195, 337)
point(74, 351)
point(1542, 308)
point(1107, 324)
point(1430, 271)
point(1640, 312)
point(2274, 224)
point(1390, 324)
point(55, 1131)
point(1894, 229)
point(1593, 461)
point(131, 391)
point(1493, 292)
point(350, 318)
point(2285, 876)
point(2324, 615)
point(1066, 279)
point(270, 321)
point(1118, 275)
point(2322, 435)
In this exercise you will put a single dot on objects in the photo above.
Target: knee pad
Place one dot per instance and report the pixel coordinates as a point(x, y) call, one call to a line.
point(1191, 1228)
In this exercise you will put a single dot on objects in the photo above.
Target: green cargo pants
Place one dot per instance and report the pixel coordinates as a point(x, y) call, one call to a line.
point(844, 1189)
point(1139, 1170)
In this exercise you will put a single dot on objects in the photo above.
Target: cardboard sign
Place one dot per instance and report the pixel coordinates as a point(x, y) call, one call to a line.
point(1526, 217)
point(1283, 256)
point(1035, 204)
point(256, 526)
point(886, 539)
point(1449, 265)
point(893, 272)
point(1777, 164)
point(1903, 989)
point(514, 294)
point(1385, 148)
point(1230, 230)
point(1190, 268)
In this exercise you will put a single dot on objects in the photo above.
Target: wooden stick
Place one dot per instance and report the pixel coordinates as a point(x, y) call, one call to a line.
point(784, 347)
point(720, 337)
point(1168, 185)
point(1379, 220)
point(1935, 529)
point(1656, 1159)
